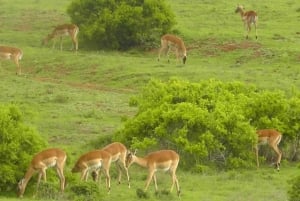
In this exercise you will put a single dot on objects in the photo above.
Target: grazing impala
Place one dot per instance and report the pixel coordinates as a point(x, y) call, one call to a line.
point(118, 152)
point(64, 30)
point(40, 162)
point(249, 17)
point(12, 53)
point(169, 41)
point(166, 160)
point(272, 138)
point(94, 160)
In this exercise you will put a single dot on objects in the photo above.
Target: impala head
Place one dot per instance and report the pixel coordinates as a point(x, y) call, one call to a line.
point(239, 8)
point(130, 158)
point(76, 168)
point(21, 187)
point(47, 39)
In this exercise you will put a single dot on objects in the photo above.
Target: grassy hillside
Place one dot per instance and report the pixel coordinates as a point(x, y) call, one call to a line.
point(73, 99)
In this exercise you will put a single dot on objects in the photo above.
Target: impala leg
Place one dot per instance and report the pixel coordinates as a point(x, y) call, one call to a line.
point(61, 176)
point(256, 153)
point(155, 182)
point(255, 31)
point(161, 50)
point(106, 171)
point(18, 72)
point(175, 181)
point(278, 152)
point(60, 38)
point(119, 171)
point(150, 175)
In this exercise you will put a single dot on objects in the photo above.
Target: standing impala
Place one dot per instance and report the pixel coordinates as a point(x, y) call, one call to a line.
point(272, 138)
point(118, 152)
point(40, 162)
point(166, 160)
point(63, 30)
point(249, 17)
point(94, 160)
point(169, 41)
point(12, 53)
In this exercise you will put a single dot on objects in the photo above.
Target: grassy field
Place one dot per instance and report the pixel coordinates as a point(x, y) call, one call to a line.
point(72, 99)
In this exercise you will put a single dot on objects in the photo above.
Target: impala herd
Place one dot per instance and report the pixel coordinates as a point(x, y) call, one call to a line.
point(100, 159)
point(94, 161)
point(168, 41)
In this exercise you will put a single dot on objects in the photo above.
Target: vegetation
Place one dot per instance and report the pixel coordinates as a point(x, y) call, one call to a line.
point(121, 24)
point(18, 142)
point(208, 122)
point(74, 99)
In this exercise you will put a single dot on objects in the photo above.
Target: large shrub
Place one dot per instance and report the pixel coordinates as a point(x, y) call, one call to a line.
point(209, 122)
point(18, 142)
point(121, 24)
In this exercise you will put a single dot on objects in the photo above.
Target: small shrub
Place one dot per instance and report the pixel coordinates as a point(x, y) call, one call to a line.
point(294, 191)
point(85, 191)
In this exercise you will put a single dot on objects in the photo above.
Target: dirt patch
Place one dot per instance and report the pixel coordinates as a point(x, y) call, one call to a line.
point(227, 47)
point(213, 47)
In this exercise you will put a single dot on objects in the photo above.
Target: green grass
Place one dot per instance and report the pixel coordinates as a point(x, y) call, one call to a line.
point(72, 99)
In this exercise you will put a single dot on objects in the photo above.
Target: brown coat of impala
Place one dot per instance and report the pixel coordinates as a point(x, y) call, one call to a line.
point(94, 160)
point(165, 160)
point(118, 152)
point(271, 137)
point(12, 53)
point(40, 163)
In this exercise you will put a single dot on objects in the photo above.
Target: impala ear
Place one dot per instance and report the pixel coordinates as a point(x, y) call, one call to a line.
point(134, 151)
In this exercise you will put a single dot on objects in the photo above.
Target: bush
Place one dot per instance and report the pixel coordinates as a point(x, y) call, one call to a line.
point(18, 142)
point(209, 122)
point(85, 191)
point(121, 24)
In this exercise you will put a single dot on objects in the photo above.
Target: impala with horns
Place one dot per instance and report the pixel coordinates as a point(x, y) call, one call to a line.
point(271, 137)
point(118, 152)
point(249, 18)
point(94, 160)
point(166, 160)
point(45, 159)
point(12, 53)
point(60, 31)
point(169, 42)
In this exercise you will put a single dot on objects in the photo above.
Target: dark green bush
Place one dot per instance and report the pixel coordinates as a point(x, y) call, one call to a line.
point(18, 143)
point(209, 122)
point(121, 24)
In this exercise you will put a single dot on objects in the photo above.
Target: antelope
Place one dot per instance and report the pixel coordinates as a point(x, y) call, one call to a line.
point(12, 53)
point(118, 152)
point(271, 137)
point(40, 163)
point(166, 160)
point(63, 30)
point(249, 18)
point(169, 41)
point(94, 160)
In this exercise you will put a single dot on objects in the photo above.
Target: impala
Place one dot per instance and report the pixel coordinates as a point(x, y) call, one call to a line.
point(249, 18)
point(45, 159)
point(272, 138)
point(94, 160)
point(63, 30)
point(118, 152)
point(166, 160)
point(12, 53)
point(169, 41)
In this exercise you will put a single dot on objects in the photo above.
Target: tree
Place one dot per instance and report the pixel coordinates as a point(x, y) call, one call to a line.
point(18, 142)
point(121, 24)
